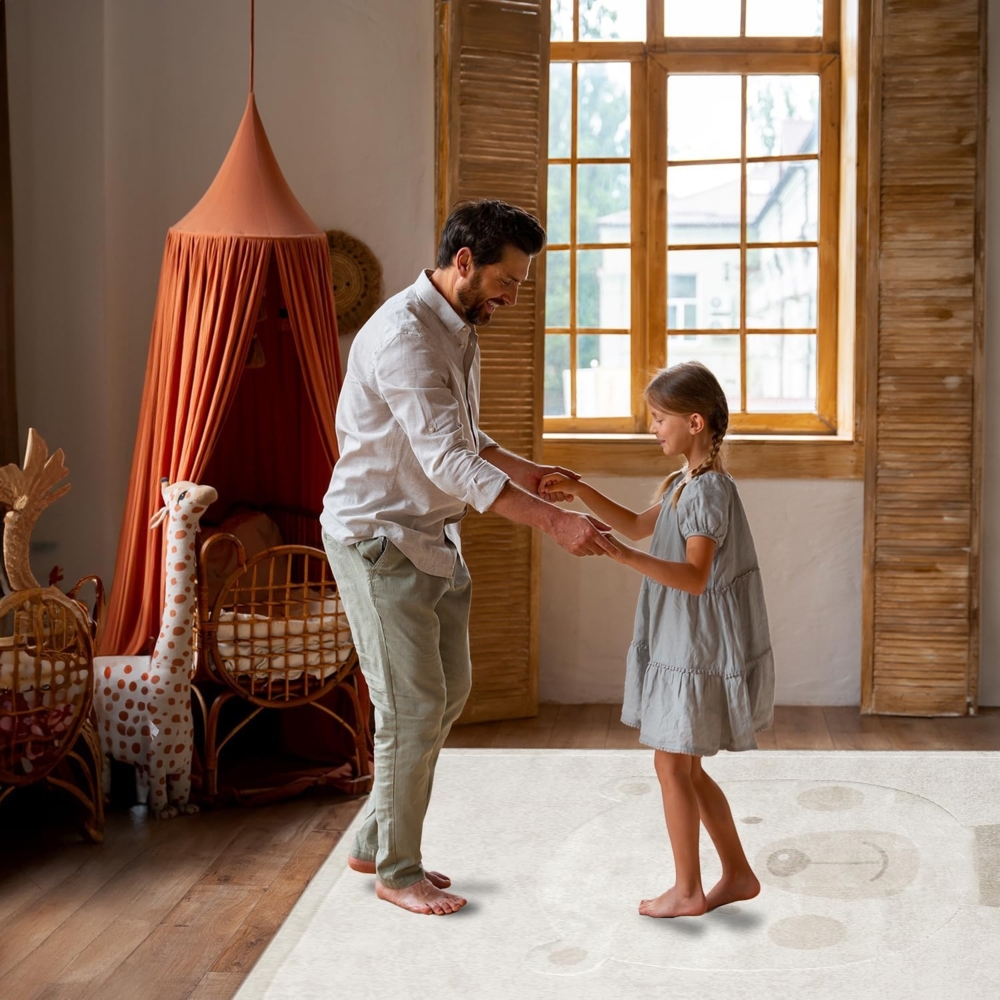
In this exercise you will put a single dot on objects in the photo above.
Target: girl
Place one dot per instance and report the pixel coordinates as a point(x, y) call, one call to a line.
point(700, 675)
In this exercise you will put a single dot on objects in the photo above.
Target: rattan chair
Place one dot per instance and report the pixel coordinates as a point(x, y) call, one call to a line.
point(276, 638)
point(46, 694)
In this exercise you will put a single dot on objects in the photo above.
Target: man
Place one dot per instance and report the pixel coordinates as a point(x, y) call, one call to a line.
point(412, 460)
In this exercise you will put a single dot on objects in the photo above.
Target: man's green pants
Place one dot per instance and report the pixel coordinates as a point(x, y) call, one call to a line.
point(411, 631)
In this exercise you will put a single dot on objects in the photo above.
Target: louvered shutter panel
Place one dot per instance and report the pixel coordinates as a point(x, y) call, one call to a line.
point(492, 130)
point(925, 378)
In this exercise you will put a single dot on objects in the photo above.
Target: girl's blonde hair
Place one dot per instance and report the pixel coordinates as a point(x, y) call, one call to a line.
point(686, 388)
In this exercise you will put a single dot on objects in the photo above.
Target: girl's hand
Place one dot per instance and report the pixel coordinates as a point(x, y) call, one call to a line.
point(624, 552)
point(557, 486)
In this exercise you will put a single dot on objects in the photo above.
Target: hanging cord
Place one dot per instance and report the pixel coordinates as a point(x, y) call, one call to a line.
point(252, 18)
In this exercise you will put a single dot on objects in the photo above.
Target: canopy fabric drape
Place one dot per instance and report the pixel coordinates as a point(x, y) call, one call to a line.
point(255, 434)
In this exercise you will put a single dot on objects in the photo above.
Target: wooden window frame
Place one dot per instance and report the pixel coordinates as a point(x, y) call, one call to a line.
point(828, 445)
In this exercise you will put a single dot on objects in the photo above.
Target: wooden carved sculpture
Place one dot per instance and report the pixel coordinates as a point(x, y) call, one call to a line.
point(47, 657)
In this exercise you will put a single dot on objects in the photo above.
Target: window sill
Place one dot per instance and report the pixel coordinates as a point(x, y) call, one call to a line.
point(747, 456)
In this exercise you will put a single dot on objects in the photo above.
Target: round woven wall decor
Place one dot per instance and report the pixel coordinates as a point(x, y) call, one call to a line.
point(357, 280)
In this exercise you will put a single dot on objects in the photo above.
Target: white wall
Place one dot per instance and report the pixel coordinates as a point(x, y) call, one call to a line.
point(120, 114)
point(812, 584)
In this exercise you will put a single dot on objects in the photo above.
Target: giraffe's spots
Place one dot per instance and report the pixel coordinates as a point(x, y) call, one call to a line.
point(115, 696)
point(123, 716)
point(107, 673)
point(180, 534)
point(120, 728)
point(155, 679)
point(178, 661)
point(121, 683)
point(144, 730)
point(179, 566)
point(178, 630)
point(136, 748)
point(179, 599)
point(129, 703)
point(171, 701)
point(128, 668)
point(121, 744)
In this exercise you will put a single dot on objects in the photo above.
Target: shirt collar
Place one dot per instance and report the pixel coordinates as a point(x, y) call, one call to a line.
point(442, 308)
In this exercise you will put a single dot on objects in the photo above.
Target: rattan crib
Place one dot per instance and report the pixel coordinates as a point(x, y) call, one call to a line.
point(276, 637)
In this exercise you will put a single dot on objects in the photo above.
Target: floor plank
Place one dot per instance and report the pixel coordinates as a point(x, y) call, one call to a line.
point(801, 728)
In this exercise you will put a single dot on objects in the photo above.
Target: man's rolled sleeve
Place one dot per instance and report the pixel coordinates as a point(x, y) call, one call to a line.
point(410, 379)
point(485, 441)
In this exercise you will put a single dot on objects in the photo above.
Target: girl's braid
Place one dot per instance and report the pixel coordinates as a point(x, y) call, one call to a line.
point(708, 463)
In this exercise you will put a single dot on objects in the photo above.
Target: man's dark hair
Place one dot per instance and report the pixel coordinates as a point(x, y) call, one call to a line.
point(486, 227)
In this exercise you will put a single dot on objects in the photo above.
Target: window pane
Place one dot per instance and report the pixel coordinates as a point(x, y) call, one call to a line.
point(605, 97)
point(781, 373)
point(557, 381)
point(720, 353)
point(782, 115)
point(557, 217)
point(561, 29)
point(703, 204)
point(706, 17)
point(603, 375)
point(603, 289)
point(784, 17)
point(560, 109)
point(703, 117)
point(781, 287)
point(602, 203)
point(703, 287)
point(556, 288)
point(624, 20)
point(782, 201)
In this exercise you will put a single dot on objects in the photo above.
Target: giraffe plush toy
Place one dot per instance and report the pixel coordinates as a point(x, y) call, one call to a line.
point(143, 703)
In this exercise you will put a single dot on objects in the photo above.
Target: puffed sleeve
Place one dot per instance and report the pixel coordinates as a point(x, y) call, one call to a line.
point(703, 507)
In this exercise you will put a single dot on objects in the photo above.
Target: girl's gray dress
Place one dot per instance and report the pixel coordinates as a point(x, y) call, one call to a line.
point(700, 674)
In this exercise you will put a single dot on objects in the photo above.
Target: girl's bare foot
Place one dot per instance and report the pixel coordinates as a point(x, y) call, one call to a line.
point(673, 904)
point(368, 868)
point(421, 897)
point(731, 888)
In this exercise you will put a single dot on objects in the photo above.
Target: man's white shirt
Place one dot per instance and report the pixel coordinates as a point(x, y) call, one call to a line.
point(408, 432)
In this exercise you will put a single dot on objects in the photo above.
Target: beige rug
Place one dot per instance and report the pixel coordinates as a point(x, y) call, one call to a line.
point(880, 872)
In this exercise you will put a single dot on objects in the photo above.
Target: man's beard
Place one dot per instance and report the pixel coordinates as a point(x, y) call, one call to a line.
point(473, 308)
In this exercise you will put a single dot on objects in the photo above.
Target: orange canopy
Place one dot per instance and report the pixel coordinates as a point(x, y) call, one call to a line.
point(260, 435)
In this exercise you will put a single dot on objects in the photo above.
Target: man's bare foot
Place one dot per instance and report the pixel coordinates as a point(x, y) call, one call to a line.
point(673, 904)
point(421, 897)
point(731, 888)
point(368, 868)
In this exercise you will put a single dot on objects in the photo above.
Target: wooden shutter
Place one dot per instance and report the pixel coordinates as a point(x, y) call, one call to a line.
point(923, 474)
point(492, 143)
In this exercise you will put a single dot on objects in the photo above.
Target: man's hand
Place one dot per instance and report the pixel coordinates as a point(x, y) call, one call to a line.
point(583, 535)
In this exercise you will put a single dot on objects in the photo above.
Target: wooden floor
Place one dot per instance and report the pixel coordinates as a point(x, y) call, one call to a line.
point(179, 909)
